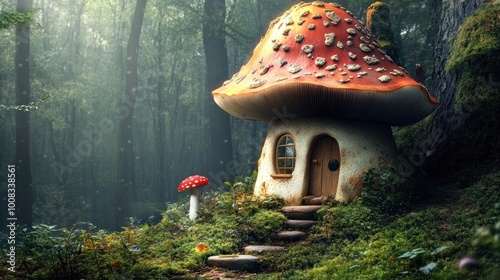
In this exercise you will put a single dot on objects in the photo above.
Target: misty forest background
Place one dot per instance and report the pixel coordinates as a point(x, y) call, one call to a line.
point(121, 99)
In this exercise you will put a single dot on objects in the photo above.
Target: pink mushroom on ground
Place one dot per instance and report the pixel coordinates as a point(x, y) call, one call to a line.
point(192, 183)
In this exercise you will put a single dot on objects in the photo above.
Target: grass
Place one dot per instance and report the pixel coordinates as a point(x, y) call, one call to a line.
point(367, 239)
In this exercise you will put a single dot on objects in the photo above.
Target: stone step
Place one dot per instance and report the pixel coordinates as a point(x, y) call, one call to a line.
point(313, 200)
point(301, 212)
point(234, 262)
point(290, 235)
point(263, 249)
point(300, 224)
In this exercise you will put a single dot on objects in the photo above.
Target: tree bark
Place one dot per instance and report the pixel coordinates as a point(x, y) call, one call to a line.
point(125, 174)
point(24, 186)
point(450, 15)
point(216, 58)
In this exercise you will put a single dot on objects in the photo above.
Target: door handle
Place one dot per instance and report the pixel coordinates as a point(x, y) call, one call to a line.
point(333, 165)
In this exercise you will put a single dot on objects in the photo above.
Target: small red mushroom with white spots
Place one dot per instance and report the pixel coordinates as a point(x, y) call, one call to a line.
point(192, 183)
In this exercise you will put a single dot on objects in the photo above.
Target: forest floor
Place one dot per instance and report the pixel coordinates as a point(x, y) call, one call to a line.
point(379, 236)
point(449, 195)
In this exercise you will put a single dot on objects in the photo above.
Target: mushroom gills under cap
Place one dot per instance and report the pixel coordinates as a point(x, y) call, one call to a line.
point(395, 108)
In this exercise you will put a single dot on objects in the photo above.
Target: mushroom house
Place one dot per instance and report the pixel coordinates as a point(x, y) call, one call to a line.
point(330, 94)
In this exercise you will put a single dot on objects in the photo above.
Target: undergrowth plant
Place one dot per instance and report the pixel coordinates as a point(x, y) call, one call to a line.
point(370, 238)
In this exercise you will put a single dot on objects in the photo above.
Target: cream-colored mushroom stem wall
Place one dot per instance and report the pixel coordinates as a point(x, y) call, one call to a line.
point(363, 145)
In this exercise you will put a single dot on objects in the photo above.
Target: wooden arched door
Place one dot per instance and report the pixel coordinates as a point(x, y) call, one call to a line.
point(325, 166)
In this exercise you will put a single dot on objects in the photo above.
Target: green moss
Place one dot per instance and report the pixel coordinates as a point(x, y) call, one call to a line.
point(474, 64)
point(266, 222)
point(478, 42)
point(360, 240)
point(378, 20)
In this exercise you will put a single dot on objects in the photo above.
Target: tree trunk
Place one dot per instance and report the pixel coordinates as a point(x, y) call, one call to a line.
point(216, 58)
point(24, 186)
point(125, 174)
point(450, 15)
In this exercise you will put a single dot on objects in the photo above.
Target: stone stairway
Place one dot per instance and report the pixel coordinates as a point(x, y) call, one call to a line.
point(300, 220)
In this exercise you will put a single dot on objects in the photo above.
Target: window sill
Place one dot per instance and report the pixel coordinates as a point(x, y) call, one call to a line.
point(281, 176)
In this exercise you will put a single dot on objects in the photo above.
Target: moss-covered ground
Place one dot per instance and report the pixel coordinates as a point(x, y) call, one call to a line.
point(383, 235)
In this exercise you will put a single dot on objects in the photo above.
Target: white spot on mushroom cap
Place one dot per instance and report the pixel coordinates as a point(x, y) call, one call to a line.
point(371, 59)
point(329, 39)
point(364, 48)
point(353, 67)
point(384, 78)
point(294, 68)
point(257, 83)
point(360, 74)
point(331, 15)
point(276, 46)
point(331, 67)
point(307, 49)
point(299, 38)
point(320, 61)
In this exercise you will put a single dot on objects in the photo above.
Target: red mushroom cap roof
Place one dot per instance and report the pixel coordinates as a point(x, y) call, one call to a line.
point(193, 182)
point(318, 59)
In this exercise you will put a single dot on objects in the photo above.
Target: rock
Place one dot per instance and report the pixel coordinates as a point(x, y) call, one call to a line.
point(301, 212)
point(292, 235)
point(300, 224)
point(263, 249)
point(234, 262)
point(312, 200)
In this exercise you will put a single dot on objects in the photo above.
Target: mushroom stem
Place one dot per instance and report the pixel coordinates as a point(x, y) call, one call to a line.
point(193, 203)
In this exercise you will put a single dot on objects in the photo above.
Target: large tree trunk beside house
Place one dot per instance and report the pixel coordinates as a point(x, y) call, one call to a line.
point(216, 58)
point(448, 16)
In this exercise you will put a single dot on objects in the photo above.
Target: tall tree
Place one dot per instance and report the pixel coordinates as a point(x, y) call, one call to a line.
point(23, 161)
point(126, 166)
point(450, 15)
point(216, 59)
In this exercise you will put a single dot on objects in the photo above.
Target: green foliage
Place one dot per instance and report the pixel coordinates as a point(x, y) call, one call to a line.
point(489, 235)
point(359, 240)
point(8, 18)
point(266, 222)
point(386, 191)
point(58, 251)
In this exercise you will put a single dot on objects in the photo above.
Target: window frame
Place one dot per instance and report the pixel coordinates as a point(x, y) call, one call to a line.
point(281, 162)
